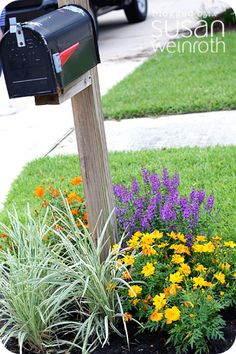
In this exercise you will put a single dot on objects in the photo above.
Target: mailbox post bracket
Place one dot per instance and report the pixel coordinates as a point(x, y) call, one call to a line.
point(17, 29)
point(71, 90)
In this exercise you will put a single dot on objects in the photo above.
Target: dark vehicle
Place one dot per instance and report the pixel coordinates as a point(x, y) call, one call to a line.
point(27, 10)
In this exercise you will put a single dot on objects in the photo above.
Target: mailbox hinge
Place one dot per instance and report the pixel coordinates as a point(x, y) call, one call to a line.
point(17, 29)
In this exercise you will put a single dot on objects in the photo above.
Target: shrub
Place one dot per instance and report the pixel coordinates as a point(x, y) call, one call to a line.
point(32, 288)
point(157, 204)
point(58, 295)
point(180, 289)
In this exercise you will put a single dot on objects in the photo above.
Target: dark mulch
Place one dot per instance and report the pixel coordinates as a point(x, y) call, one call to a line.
point(147, 343)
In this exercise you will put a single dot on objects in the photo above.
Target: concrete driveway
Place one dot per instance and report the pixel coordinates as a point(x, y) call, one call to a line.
point(33, 131)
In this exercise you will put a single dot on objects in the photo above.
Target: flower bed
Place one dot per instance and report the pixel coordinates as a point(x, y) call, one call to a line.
point(171, 277)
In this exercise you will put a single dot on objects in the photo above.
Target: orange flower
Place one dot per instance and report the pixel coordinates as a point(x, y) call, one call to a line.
point(127, 316)
point(55, 193)
point(77, 180)
point(73, 196)
point(75, 211)
point(39, 192)
point(86, 216)
point(3, 235)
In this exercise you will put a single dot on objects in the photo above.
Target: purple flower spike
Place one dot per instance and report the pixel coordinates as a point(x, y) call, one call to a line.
point(210, 203)
point(155, 183)
point(135, 187)
point(145, 175)
point(167, 213)
point(190, 240)
point(176, 181)
point(201, 196)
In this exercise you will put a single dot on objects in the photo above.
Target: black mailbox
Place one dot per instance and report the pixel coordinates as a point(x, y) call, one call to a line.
point(48, 54)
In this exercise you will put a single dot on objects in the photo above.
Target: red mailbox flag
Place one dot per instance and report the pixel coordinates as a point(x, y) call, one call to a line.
point(67, 53)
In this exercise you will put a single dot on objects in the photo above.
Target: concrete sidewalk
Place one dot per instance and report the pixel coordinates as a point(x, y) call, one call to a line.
point(197, 129)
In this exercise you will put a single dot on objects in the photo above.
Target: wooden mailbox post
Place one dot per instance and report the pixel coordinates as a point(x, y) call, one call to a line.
point(93, 154)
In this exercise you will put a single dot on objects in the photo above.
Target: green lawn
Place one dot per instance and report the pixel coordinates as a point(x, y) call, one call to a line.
point(177, 83)
point(209, 168)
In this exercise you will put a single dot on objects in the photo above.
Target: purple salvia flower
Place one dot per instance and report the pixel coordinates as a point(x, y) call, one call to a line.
point(175, 180)
point(145, 175)
point(190, 240)
point(167, 213)
point(135, 187)
point(193, 195)
point(201, 196)
point(187, 212)
point(183, 202)
point(155, 183)
point(165, 178)
point(195, 213)
point(209, 204)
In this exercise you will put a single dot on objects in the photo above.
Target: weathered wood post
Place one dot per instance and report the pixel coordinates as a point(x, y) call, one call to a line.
point(92, 147)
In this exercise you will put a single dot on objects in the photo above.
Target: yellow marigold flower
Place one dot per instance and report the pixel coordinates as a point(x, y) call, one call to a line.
point(184, 269)
point(234, 275)
point(148, 250)
point(147, 239)
point(159, 301)
point(207, 247)
point(188, 304)
point(177, 259)
point(200, 281)
point(135, 290)
point(156, 316)
point(209, 297)
point(127, 316)
point(115, 248)
point(181, 237)
point(77, 180)
point(201, 238)
point(230, 244)
point(173, 235)
point(180, 249)
point(129, 260)
point(134, 241)
point(39, 192)
point(126, 275)
point(163, 244)
point(176, 277)
point(172, 314)
point(148, 269)
point(225, 266)
point(217, 238)
point(200, 268)
point(220, 277)
point(157, 234)
point(171, 290)
point(135, 301)
point(222, 293)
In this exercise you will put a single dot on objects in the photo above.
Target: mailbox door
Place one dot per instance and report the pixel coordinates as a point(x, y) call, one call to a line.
point(28, 70)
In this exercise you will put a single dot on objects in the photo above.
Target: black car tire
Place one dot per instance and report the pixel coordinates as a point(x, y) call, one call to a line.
point(136, 11)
